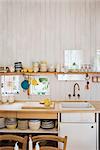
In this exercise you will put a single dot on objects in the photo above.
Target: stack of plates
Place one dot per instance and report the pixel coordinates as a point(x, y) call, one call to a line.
point(34, 124)
point(47, 124)
point(18, 66)
point(2, 122)
point(11, 123)
point(22, 124)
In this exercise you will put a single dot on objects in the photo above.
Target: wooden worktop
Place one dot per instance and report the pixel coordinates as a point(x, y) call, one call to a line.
point(17, 107)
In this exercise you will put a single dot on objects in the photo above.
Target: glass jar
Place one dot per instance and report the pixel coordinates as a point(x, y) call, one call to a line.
point(43, 67)
point(35, 67)
point(51, 68)
point(58, 68)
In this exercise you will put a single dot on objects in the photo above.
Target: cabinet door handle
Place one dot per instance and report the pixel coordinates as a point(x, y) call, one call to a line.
point(92, 127)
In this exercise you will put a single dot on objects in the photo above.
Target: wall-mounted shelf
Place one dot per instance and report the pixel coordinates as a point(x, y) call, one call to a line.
point(45, 73)
point(10, 73)
point(33, 73)
point(78, 72)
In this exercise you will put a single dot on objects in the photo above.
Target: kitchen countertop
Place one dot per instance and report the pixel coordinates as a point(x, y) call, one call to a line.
point(17, 107)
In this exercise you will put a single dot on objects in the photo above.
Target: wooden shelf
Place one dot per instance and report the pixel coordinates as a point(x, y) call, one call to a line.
point(5, 130)
point(77, 73)
point(31, 74)
point(45, 73)
point(10, 73)
point(40, 73)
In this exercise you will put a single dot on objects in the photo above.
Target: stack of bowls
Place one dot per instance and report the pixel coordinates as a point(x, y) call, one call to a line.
point(34, 124)
point(47, 124)
point(11, 123)
point(22, 124)
point(2, 122)
point(18, 66)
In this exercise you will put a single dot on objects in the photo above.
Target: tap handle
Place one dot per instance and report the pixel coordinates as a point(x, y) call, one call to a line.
point(69, 95)
point(74, 95)
point(78, 95)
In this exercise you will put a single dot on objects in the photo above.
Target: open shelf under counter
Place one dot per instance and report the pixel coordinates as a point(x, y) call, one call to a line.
point(5, 130)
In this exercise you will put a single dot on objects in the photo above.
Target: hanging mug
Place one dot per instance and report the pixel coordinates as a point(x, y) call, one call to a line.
point(25, 84)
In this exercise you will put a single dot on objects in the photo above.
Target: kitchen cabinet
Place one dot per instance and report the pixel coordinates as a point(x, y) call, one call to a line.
point(81, 133)
point(81, 136)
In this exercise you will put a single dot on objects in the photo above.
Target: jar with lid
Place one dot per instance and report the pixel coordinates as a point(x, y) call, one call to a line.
point(43, 66)
point(58, 68)
point(35, 67)
point(51, 68)
point(62, 68)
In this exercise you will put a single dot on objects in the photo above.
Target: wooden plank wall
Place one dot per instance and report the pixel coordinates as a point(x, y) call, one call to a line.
point(34, 30)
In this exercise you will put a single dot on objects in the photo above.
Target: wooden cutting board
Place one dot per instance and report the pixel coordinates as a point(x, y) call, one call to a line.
point(36, 105)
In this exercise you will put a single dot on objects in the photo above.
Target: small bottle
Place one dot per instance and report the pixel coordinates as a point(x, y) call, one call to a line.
point(37, 147)
point(30, 144)
point(16, 146)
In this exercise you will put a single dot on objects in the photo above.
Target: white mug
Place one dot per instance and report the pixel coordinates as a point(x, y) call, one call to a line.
point(4, 99)
point(11, 99)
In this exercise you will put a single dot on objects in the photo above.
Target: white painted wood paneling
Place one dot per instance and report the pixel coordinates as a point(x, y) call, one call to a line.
point(35, 30)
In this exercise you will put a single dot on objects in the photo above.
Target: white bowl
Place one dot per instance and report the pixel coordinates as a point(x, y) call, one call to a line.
point(34, 125)
point(13, 126)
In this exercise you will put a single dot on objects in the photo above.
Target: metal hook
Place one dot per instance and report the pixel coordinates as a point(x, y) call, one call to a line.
point(87, 77)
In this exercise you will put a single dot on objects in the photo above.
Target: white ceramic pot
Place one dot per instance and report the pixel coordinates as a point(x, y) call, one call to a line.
point(4, 99)
point(11, 99)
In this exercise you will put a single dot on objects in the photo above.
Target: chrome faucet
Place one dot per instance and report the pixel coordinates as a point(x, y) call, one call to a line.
point(74, 89)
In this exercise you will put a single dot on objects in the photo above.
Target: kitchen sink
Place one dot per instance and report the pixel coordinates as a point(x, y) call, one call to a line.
point(77, 105)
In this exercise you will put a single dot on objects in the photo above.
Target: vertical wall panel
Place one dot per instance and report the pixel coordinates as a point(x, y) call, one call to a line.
point(97, 24)
point(93, 30)
point(35, 30)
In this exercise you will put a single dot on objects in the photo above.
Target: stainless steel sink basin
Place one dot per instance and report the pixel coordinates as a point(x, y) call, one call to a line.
point(77, 106)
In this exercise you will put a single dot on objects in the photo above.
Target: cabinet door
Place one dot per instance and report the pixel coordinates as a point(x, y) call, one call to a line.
point(81, 136)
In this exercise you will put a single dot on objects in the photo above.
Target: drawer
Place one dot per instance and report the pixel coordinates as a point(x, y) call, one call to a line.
point(35, 115)
point(77, 117)
point(8, 114)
